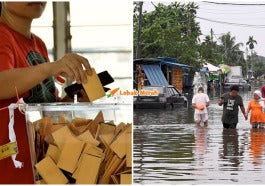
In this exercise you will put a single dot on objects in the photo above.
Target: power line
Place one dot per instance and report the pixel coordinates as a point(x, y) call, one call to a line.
point(229, 23)
point(241, 4)
point(233, 12)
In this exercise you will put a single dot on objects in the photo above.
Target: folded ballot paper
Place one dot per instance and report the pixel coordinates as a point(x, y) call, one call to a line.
point(94, 87)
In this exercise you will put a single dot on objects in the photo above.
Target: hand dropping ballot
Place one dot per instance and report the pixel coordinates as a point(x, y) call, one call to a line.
point(94, 87)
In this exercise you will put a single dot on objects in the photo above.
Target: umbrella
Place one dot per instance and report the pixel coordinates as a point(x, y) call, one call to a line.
point(211, 67)
point(225, 68)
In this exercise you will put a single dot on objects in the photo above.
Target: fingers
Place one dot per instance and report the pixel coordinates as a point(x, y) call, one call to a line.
point(85, 63)
point(79, 67)
point(75, 70)
point(73, 66)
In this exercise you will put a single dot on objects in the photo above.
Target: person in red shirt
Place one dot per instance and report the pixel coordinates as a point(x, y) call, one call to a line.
point(262, 89)
point(25, 71)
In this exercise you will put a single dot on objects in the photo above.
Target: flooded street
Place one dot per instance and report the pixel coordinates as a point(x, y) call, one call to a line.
point(170, 149)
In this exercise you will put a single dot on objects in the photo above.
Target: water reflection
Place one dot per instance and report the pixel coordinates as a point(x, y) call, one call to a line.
point(170, 149)
point(257, 145)
point(229, 152)
point(200, 141)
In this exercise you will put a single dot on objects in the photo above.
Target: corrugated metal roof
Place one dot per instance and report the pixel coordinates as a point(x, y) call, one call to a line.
point(155, 75)
point(175, 64)
point(162, 61)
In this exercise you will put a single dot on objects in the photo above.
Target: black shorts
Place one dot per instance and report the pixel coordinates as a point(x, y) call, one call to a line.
point(229, 125)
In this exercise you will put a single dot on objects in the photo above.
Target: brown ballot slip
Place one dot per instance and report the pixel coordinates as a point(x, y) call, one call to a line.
point(50, 172)
point(93, 87)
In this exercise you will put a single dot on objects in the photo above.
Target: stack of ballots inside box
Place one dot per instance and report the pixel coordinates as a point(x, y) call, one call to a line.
point(67, 148)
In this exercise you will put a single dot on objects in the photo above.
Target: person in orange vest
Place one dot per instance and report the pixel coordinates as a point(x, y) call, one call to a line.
point(257, 108)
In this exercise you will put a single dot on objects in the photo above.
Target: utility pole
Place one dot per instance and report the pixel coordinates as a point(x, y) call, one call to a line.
point(247, 63)
point(138, 47)
point(211, 36)
point(211, 49)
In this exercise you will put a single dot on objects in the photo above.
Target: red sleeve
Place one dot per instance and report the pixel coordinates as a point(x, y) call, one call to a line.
point(6, 55)
point(263, 91)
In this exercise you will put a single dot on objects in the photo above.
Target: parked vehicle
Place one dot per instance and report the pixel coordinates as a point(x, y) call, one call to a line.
point(235, 77)
point(237, 80)
point(167, 96)
point(235, 71)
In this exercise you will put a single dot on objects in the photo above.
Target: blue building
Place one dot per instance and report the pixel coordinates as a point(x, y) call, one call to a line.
point(164, 71)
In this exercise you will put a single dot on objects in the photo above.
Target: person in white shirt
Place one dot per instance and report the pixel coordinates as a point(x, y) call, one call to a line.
point(200, 102)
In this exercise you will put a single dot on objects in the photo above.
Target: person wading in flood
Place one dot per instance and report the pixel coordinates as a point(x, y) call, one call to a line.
point(200, 102)
point(256, 107)
point(231, 101)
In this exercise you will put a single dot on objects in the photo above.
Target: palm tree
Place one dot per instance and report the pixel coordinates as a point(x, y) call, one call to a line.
point(230, 48)
point(250, 44)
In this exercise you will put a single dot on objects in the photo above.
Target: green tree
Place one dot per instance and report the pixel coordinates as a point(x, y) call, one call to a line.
point(232, 54)
point(210, 51)
point(170, 31)
point(258, 68)
point(250, 43)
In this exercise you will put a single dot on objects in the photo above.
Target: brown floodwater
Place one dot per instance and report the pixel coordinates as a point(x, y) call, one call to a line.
point(170, 149)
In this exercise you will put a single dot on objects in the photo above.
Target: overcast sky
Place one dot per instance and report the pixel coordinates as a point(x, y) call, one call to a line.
point(241, 21)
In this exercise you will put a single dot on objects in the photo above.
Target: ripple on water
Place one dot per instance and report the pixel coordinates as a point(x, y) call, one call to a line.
point(169, 149)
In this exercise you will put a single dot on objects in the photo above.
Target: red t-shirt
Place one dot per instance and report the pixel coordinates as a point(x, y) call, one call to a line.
point(18, 51)
point(262, 89)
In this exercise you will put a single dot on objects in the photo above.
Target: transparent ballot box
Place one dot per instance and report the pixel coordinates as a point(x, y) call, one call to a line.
point(77, 142)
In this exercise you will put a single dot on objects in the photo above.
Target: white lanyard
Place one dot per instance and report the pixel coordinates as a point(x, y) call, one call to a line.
point(12, 135)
